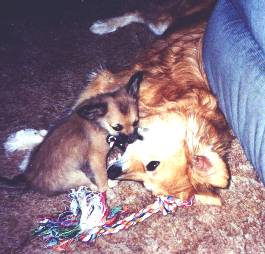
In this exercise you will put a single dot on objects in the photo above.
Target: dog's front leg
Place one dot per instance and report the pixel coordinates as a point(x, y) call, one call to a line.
point(98, 167)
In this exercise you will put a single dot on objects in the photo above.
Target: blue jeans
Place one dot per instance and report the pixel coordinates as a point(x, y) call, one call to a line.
point(234, 60)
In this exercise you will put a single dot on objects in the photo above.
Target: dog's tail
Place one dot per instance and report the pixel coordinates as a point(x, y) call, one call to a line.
point(24, 140)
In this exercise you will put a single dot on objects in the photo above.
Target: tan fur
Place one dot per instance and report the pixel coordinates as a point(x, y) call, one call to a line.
point(56, 165)
point(77, 147)
point(175, 84)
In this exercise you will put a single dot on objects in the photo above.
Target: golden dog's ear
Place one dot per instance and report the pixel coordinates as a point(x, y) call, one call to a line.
point(201, 162)
point(209, 170)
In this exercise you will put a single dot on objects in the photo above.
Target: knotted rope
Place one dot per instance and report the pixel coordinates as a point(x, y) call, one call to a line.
point(89, 218)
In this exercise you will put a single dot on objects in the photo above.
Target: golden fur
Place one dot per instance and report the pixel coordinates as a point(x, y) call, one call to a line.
point(175, 91)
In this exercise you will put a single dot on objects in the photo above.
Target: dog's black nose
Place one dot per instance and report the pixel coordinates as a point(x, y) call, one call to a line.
point(114, 171)
point(132, 138)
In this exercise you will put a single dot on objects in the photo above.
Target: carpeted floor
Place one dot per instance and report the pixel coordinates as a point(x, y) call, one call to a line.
point(46, 52)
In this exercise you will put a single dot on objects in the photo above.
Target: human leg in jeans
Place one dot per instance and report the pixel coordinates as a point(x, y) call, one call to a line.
point(234, 59)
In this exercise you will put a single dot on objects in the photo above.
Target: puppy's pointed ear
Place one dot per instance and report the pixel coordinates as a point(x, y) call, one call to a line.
point(134, 84)
point(92, 111)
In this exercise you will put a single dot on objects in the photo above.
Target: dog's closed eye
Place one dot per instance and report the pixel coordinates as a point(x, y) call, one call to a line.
point(152, 165)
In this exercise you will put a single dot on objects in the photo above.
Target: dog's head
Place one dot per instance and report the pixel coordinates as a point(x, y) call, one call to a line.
point(117, 111)
point(175, 158)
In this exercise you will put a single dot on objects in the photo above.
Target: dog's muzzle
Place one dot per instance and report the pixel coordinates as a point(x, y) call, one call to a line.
point(120, 141)
point(118, 145)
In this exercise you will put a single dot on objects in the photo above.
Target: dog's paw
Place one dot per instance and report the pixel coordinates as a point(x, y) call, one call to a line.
point(159, 28)
point(103, 27)
point(112, 183)
point(93, 187)
point(111, 195)
point(111, 25)
point(208, 199)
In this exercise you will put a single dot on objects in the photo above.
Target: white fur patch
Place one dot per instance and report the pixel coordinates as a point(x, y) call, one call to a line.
point(160, 28)
point(24, 140)
point(112, 183)
point(111, 25)
point(24, 163)
point(161, 139)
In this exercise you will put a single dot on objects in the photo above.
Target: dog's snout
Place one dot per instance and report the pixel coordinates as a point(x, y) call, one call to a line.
point(132, 138)
point(121, 141)
point(114, 171)
point(123, 138)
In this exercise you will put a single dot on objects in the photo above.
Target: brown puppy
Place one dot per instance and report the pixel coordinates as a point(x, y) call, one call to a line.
point(77, 146)
point(185, 136)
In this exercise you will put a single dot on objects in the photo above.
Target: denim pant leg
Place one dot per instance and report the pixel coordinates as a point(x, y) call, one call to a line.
point(234, 61)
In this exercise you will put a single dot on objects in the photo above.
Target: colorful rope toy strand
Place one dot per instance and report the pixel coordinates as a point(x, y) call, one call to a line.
point(89, 218)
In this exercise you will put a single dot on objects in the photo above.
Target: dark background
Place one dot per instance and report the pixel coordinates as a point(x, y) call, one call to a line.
point(48, 45)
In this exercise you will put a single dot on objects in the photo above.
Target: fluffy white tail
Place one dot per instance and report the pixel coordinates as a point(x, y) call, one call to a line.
point(24, 140)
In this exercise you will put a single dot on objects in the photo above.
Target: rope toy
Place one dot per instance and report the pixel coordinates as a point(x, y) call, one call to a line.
point(89, 217)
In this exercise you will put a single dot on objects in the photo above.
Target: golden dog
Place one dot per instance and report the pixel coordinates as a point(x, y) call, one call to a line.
point(185, 136)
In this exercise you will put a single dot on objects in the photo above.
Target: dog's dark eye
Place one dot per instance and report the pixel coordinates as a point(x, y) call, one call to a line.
point(152, 165)
point(117, 127)
point(135, 123)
